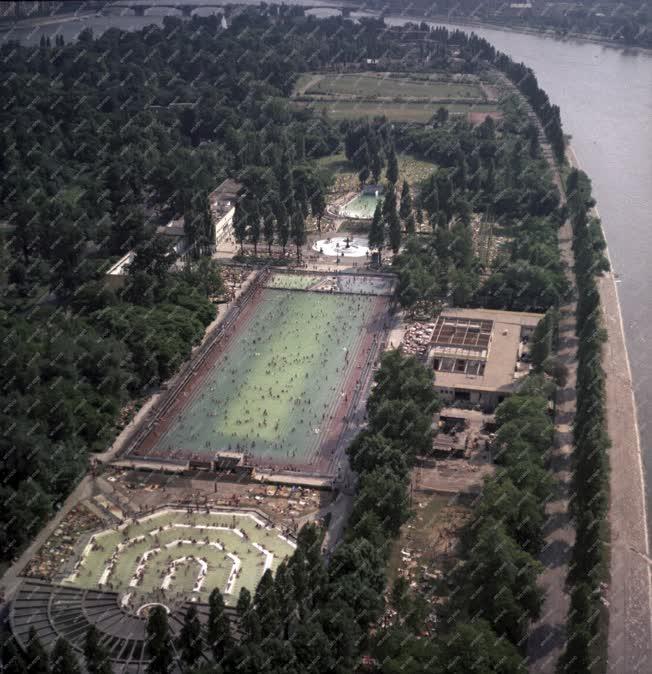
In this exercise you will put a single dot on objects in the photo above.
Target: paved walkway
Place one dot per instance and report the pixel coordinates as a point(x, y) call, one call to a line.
point(630, 590)
point(547, 637)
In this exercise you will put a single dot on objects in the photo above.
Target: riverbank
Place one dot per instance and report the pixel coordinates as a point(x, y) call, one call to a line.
point(6, 26)
point(523, 30)
point(629, 594)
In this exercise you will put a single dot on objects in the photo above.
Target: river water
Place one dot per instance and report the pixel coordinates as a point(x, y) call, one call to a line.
point(605, 96)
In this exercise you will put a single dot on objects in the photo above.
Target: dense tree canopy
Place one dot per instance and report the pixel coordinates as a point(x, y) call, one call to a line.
point(117, 143)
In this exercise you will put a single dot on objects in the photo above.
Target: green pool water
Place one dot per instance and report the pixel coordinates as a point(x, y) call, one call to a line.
point(362, 206)
point(272, 391)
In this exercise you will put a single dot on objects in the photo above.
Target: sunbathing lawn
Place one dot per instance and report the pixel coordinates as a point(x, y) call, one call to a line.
point(174, 535)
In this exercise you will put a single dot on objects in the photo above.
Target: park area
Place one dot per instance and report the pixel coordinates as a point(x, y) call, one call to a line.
point(345, 177)
point(279, 386)
point(400, 97)
point(172, 556)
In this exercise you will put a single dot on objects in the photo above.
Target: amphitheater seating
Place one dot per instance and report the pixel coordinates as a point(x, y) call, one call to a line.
point(55, 611)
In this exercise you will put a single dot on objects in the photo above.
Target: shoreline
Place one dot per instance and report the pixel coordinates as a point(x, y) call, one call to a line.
point(630, 566)
point(465, 21)
point(436, 18)
point(25, 24)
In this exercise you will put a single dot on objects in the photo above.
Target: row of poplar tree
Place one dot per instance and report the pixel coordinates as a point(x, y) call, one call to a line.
point(273, 205)
point(590, 460)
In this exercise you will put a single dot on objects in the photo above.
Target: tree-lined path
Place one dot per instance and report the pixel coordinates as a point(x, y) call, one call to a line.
point(548, 634)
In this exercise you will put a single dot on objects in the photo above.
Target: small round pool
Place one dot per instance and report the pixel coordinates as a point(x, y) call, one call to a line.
point(339, 246)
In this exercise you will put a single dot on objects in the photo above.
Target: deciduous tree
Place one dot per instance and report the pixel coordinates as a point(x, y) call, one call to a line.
point(158, 643)
point(189, 641)
point(218, 628)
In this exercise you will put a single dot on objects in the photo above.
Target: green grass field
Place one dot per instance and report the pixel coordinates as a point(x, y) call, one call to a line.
point(378, 84)
point(346, 177)
point(272, 392)
point(144, 556)
point(396, 112)
point(398, 96)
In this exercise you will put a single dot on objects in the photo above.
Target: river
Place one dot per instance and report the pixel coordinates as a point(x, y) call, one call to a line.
point(605, 96)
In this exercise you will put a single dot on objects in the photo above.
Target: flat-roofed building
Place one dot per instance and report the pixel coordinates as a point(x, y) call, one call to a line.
point(477, 354)
point(222, 203)
point(175, 232)
point(222, 206)
point(116, 276)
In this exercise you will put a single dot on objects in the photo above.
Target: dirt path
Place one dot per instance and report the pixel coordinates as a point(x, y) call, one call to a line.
point(548, 634)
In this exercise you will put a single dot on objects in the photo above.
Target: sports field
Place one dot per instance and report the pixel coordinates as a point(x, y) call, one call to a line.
point(384, 85)
point(400, 97)
point(281, 386)
point(397, 112)
point(172, 556)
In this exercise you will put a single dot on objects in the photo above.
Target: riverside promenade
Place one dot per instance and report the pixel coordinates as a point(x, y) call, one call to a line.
point(548, 634)
point(630, 589)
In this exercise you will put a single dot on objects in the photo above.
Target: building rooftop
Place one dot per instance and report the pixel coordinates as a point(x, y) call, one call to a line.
point(222, 199)
point(120, 267)
point(227, 189)
point(458, 331)
point(479, 347)
point(174, 228)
